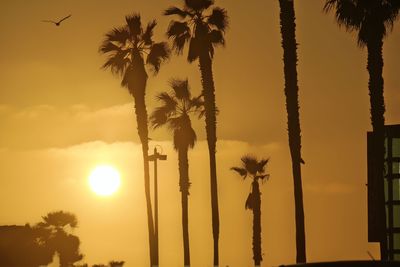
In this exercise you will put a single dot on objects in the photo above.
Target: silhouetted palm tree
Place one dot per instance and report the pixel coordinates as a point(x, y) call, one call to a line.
point(174, 112)
point(256, 170)
point(372, 20)
point(203, 32)
point(130, 47)
point(289, 44)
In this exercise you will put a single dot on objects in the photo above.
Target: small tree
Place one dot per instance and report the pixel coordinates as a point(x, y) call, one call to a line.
point(256, 170)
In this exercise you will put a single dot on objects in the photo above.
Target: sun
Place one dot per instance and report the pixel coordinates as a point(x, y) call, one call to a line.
point(104, 180)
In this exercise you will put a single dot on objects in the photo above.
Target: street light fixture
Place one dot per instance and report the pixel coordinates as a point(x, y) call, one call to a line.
point(156, 156)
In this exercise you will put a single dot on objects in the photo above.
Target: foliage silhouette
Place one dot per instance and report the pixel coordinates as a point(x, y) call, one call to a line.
point(34, 246)
point(174, 112)
point(20, 246)
point(372, 20)
point(130, 47)
point(58, 224)
point(202, 32)
point(289, 45)
point(254, 169)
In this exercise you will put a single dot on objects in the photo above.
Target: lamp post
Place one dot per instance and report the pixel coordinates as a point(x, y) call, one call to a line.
point(156, 156)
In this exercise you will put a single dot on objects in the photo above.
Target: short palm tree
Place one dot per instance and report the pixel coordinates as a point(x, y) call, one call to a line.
point(255, 169)
point(130, 48)
point(174, 113)
point(372, 20)
point(289, 45)
point(203, 32)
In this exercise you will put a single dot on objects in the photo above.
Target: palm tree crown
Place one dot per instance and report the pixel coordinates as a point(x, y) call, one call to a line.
point(201, 31)
point(128, 45)
point(371, 18)
point(252, 167)
point(174, 112)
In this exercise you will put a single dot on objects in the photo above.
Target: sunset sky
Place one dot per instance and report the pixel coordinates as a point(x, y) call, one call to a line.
point(61, 115)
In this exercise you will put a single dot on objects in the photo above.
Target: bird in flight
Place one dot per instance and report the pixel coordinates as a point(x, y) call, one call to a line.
point(57, 23)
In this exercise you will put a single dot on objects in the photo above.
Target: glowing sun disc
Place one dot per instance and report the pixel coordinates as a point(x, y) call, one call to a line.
point(104, 180)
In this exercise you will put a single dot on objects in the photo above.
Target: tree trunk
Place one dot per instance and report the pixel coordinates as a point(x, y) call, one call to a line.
point(256, 199)
point(184, 188)
point(211, 121)
point(377, 102)
point(137, 87)
point(288, 31)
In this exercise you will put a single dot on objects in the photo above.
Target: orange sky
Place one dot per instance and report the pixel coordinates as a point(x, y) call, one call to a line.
point(61, 115)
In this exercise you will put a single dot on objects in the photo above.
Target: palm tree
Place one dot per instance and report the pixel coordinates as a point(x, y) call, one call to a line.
point(289, 44)
point(372, 20)
point(129, 47)
point(174, 112)
point(203, 32)
point(256, 170)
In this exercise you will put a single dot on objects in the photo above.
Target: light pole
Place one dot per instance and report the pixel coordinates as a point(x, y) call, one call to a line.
point(156, 156)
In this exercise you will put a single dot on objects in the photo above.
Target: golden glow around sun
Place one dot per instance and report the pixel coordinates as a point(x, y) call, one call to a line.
point(104, 180)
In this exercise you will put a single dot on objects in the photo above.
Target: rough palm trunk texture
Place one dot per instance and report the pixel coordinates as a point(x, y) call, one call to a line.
point(210, 114)
point(377, 103)
point(184, 187)
point(288, 31)
point(257, 254)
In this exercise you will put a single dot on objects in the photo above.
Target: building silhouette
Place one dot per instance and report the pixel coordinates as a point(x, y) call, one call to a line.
point(391, 184)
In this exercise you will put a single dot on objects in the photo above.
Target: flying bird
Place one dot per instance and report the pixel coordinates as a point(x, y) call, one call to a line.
point(57, 23)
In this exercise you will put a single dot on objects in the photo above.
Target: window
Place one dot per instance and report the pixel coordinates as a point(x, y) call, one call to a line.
point(396, 189)
point(396, 147)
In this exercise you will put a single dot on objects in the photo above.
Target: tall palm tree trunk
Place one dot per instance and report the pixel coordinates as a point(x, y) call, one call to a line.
point(289, 44)
point(207, 81)
point(184, 187)
point(137, 88)
point(256, 195)
point(377, 103)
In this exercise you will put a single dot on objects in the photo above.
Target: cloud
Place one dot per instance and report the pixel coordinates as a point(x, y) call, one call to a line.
point(50, 126)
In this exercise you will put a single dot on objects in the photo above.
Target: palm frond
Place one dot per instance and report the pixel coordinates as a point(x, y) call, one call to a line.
point(390, 13)
point(262, 177)
point(347, 13)
point(159, 117)
point(181, 89)
point(219, 19)
point(175, 11)
point(148, 33)
point(249, 202)
point(198, 5)
point(107, 47)
point(241, 171)
point(216, 37)
point(250, 163)
point(175, 123)
point(134, 25)
point(159, 52)
point(179, 32)
point(120, 35)
point(167, 101)
point(117, 62)
point(197, 103)
point(261, 165)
